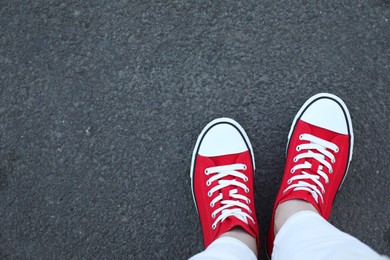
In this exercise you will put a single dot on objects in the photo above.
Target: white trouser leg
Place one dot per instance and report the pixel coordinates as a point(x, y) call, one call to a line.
point(306, 235)
point(226, 248)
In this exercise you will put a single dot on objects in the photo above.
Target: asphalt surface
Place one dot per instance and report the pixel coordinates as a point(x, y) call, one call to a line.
point(101, 103)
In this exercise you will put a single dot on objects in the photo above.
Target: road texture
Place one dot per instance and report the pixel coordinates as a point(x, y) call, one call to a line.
point(101, 103)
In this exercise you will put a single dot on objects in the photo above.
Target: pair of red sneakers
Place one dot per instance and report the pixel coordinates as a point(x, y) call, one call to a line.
point(319, 151)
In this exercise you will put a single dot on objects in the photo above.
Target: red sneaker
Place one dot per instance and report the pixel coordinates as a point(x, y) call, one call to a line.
point(222, 178)
point(319, 151)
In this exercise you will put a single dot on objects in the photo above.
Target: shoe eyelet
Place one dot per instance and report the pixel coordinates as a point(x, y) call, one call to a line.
point(331, 171)
point(298, 148)
point(212, 205)
point(206, 172)
point(289, 181)
point(246, 190)
point(292, 170)
point(209, 194)
point(336, 150)
point(213, 226)
point(248, 201)
point(246, 179)
point(295, 159)
point(333, 160)
point(301, 137)
point(323, 192)
point(244, 167)
point(208, 183)
point(213, 215)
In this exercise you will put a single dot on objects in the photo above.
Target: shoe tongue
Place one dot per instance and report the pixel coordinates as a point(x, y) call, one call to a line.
point(302, 195)
point(314, 166)
point(239, 216)
point(225, 160)
point(226, 191)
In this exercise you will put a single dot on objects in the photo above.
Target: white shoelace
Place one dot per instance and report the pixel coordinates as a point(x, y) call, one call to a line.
point(230, 207)
point(316, 149)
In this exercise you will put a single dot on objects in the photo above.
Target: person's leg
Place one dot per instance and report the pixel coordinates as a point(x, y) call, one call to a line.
point(319, 151)
point(226, 248)
point(222, 178)
point(307, 235)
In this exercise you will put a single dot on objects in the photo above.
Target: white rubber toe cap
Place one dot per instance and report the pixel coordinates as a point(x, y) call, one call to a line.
point(221, 139)
point(327, 111)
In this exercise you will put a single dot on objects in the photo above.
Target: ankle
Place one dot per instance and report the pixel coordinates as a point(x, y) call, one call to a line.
point(288, 208)
point(243, 236)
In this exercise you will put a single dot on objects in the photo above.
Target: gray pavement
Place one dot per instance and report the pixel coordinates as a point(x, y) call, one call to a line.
point(101, 103)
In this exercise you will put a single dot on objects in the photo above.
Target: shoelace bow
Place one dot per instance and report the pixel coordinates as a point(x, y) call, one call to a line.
point(232, 205)
point(307, 152)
